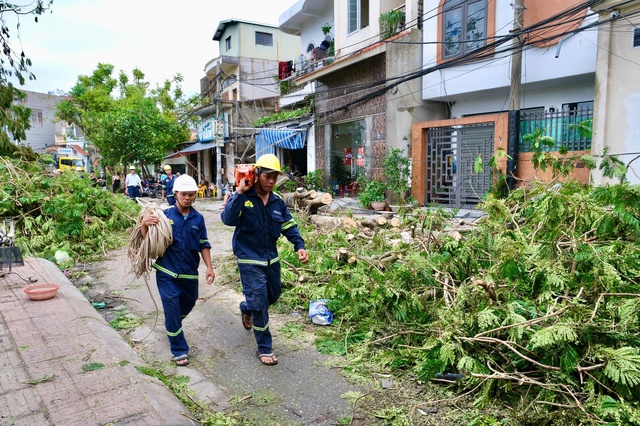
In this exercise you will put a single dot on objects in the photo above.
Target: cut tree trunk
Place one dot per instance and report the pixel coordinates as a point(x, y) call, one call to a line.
point(309, 201)
point(332, 222)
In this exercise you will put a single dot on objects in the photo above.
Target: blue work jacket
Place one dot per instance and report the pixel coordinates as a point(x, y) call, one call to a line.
point(167, 185)
point(181, 260)
point(258, 227)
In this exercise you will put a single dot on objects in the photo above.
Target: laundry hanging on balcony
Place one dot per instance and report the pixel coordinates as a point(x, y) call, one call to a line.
point(268, 139)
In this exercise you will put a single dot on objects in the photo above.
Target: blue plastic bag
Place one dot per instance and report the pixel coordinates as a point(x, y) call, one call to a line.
point(319, 313)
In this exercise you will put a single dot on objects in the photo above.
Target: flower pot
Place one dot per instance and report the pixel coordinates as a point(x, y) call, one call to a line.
point(378, 205)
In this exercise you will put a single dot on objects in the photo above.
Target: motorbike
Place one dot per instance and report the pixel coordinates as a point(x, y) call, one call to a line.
point(153, 190)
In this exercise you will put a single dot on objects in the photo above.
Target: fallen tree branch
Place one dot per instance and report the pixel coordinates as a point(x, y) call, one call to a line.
point(514, 350)
point(531, 321)
point(595, 310)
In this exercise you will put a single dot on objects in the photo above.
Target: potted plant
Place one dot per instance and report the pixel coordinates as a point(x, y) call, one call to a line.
point(373, 195)
point(391, 22)
point(397, 174)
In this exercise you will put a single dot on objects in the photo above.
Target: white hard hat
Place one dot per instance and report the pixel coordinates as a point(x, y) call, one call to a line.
point(185, 183)
point(132, 168)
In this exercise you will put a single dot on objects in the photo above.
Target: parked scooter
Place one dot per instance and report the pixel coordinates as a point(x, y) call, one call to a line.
point(152, 190)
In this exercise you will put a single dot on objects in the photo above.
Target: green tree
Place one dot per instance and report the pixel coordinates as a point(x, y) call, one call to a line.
point(125, 120)
point(15, 118)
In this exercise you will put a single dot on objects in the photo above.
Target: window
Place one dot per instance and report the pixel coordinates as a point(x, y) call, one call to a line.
point(464, 26)
point(636, 37)
point(264, 39)
point(227, 43)
point(37, 119)
point(358, 14)
point(578, 108)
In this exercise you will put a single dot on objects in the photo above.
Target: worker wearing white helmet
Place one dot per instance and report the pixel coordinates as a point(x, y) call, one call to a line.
point(260, 217)
point(133, 184)
point(177, 268)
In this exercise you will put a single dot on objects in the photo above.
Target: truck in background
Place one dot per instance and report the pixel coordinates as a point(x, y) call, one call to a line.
point(68, 164)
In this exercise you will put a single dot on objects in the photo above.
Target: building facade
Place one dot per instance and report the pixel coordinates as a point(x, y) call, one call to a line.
point(495, 108)
point(239, 87)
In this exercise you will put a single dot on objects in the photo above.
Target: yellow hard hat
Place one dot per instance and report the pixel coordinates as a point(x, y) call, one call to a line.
point(167, 167)
point(270, 162)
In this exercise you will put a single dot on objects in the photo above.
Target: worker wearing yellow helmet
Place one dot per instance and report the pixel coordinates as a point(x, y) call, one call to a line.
point(167, 186)
point(260, 217)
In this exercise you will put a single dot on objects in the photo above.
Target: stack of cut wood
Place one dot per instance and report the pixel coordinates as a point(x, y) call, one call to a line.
point(309, 201)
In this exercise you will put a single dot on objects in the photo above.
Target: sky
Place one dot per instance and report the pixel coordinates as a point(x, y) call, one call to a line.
point(162, 38)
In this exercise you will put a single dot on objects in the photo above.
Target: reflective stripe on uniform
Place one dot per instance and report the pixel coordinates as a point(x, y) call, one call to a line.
point(258, 262)
point(177, 332)
point(288, 224)
point(255, 327)
point(173, 274)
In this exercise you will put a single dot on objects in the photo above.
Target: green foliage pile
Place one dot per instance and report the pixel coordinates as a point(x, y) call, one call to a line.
point(538, 306)
point(282, 115)
point(61, 212)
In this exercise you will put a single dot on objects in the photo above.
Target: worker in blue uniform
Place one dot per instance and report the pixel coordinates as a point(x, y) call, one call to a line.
point(260, 217)
point(167, 185)
point(177, 268)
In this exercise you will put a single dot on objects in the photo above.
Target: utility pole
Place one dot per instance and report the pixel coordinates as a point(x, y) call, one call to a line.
point(516, 55)
point(513, 138)
point(219, 138)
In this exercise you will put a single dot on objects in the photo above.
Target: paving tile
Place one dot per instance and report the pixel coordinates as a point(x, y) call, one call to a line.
point(35, 419)
point(74, 414)
point(92, 382)
point(16, 404)
point(116, 404)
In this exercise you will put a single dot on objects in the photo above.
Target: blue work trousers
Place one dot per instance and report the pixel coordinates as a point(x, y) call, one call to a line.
point(261, 286)
point(178, 297)
point(134, 192)
point(171, 199)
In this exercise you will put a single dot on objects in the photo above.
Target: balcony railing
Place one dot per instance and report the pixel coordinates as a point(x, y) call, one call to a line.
point(566, 128)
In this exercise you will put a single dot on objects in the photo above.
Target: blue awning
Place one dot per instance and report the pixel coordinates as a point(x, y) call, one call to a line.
point(268, 139)
point(198, 146)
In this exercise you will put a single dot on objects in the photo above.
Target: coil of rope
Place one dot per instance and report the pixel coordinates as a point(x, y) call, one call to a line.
point(143, 250)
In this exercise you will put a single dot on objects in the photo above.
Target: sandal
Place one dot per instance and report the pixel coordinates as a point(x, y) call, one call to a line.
point(247, 323)
point(267, 359)
point(182, 360)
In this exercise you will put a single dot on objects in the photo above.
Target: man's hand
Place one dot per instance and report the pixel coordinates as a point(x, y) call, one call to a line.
point(149, 219)
point(303, 256)
point(210, 276)
point(242, 186)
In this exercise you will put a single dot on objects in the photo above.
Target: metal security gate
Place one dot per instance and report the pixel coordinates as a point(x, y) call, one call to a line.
point(451, 155)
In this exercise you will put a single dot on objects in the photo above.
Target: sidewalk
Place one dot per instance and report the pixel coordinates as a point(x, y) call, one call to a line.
point(44, 346)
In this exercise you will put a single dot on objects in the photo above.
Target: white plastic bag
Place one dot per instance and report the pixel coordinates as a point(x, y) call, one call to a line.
point(319, 313)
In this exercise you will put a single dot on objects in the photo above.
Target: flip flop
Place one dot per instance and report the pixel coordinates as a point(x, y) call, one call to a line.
point(181, 360)
point(247, 323)
point(267, 359)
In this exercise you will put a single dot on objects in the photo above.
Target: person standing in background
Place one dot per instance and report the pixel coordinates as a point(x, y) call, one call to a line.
point(115, 182)
point(167, 186)
point(133, 184)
